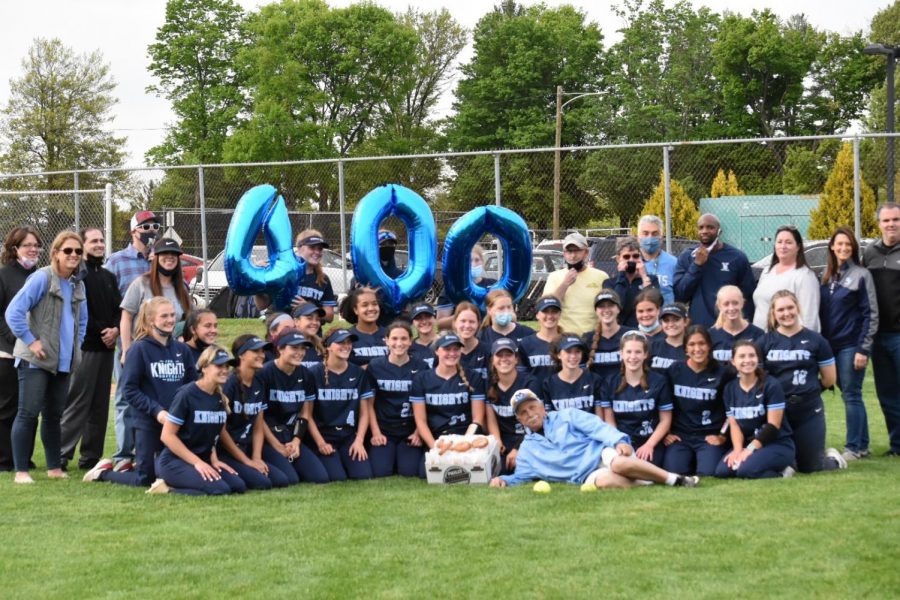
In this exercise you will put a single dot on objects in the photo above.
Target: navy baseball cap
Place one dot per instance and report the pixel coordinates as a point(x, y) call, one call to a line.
point(222, 357)
point(291, 337)
point(386, 236)
point(503, 344)
point(167, 246)
point(313, 240)
point(522, 396)
point(254, 343)
point(548, 302)
point(608, 296)
point(673, 310)
point(448, 339)
point(306, 309)
point(421, 309)
point(339, 335)
point(571, 341)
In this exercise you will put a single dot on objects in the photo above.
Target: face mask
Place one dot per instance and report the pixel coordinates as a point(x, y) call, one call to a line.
point(147, 238)
point(631, 267)
point(650, 245)
point(164, 271)
point(161, 333)
point(649, 328)
point(27, 263)
point(201, 345)
point(503, 319)
point(477, 272)
point(577, 266)
point(386, 253)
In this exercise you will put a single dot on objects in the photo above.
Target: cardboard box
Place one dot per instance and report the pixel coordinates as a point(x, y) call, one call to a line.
point(476, 466)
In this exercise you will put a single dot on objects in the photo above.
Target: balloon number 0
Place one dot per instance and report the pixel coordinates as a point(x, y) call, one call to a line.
point(261, 208)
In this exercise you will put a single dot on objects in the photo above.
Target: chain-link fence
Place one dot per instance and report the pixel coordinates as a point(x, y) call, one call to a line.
point(753, 185)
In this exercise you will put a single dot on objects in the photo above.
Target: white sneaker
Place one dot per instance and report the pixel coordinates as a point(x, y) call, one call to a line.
point(850, 455)
point(836, 456)
point(690, 481)
point(788, 472)
point(124, 465)
point(94, 474)
point(158, 487)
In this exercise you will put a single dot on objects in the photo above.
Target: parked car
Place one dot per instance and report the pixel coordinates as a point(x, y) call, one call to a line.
point(189, 266)
point(816, 253)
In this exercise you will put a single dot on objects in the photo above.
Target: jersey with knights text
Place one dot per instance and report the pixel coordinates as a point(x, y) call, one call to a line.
point(699, 410)
point(367, 346)
point(636, 409)
point(336, 398)
point(448, 402)
point(795, 360)
point(583, 393)
point(393, 383)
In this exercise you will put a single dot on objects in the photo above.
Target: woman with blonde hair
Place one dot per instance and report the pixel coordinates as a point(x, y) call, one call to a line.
point(315, 287)
point(731, 326)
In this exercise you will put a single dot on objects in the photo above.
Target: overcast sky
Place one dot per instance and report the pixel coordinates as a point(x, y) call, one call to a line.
point(122, 30)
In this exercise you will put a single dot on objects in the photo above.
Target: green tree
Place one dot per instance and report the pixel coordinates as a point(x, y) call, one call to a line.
point(193, 60)
point(806, 167)
point(836, 205)
point(725, 185)
point(684, 209)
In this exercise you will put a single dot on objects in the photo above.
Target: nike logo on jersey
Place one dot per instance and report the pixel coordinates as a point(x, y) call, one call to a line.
point(413, 371)
point(178, 355)
point(710, 378)
point(759, 395)
point(353, 379)
point(256, 393)
point(818, 410)
point(460, 384)
point(804, 341)
point(586, 386)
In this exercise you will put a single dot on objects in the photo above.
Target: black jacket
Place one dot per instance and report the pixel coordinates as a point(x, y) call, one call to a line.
point(103, 300)
point(12, 278)
point(884, 264)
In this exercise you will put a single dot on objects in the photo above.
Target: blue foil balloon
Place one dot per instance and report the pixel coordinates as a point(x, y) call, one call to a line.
point(512, 231)
point(409, 207)
point(261, 208)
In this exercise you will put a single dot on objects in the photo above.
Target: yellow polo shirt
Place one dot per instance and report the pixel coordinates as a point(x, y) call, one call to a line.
point(578, 314)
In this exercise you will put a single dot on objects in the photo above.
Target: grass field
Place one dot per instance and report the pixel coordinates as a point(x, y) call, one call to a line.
point(833, 535)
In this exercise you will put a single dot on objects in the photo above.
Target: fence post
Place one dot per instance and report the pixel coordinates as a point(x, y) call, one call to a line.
point(107, 210)
point(668, 196)
point(857, 220)
point(343, 222)
point(497, 195)
point(204, 254)
point(77, 203)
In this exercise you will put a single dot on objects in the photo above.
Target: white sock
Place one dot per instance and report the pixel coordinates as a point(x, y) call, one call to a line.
point(671, 479)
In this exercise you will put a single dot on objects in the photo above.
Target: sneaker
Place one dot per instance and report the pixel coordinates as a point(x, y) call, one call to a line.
point(836, 456)
point(850, 455)
point(123, 466)
point(788, 472)
point(158, 487)
point(94, 474)
point(690, 481)
point(865, 453)
point(892, 453)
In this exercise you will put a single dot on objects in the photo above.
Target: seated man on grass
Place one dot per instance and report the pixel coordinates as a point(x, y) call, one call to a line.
point(574, 446)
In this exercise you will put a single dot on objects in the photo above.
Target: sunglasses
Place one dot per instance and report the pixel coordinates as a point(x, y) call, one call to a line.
point(631, 257)
point(148, 227)
point(634, 334)
point(69, 251)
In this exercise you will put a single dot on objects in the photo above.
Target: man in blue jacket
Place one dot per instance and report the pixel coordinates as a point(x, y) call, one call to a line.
point(701, 271)
point(573, 446)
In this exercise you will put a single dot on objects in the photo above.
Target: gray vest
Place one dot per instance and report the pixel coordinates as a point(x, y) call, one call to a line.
point(44, 320)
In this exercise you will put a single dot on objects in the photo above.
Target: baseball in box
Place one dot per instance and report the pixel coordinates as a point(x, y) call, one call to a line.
point(472, 459)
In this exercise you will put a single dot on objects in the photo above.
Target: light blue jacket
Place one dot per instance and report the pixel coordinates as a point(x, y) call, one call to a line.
point(567, 450)
point(663, 266)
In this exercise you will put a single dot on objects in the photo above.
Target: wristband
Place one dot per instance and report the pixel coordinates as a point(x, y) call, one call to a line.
point(751, 448)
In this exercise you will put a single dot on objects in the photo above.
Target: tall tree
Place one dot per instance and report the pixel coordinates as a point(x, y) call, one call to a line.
point(836, 204)
point(684, 209)
point(193, 60)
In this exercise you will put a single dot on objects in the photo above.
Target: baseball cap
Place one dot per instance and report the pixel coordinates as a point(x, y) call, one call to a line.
point(575, 239)
point(503, 344)
point(306, 309)
point(291, 337)
point(674, 310)
point(167, 246)
point(571, 341)
point(386, 236)
point(313, 240)
point(222, 357)
point(339, 335)
point(522, 396)
point(548, 302)
point(253, 343)
point(608, 296)
point(448, 339)
point(421, 309)
point(142, 217)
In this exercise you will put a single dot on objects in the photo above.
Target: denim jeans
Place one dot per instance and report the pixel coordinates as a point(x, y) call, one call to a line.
point(886, 368)
point(123, 424)
point(851, 381)
point(40, 393)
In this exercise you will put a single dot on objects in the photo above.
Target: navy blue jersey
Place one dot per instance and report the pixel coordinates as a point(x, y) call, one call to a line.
point(607, 359)
point(200, 418)
point(285, 393)
point(750, 408)
point(246, 403)
point(477, 360)
point(337, 400)
point(448, 402)
point(534, 358)
point(422, 352)
point(583, 393)
point(392, 383)
point(195, 354)
point(795, 360)
point(636, 409)
point(699, 410)
point(663, 355)
point(311, 358)
point(723, 342)
point(322, 295)
point(368, 346)
point(488, 336)
point(503, 410)
point(152, 374)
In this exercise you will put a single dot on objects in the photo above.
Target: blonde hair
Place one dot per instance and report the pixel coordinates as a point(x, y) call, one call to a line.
point(464, 306)
point(728, 289)
point(204, 361)
point(146, 315)
point(61, 238)
point(492, 297)
point(773, 324)
point(317, 269)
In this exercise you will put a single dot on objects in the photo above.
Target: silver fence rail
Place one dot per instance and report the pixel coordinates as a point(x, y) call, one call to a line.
point(753, 185)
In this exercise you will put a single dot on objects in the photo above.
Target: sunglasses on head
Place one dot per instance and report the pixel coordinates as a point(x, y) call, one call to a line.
point(148, 227)
point(68, 251)
point(635, 334)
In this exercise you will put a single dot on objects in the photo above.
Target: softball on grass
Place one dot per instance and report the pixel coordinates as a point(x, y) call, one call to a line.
point(589, 486)
point(541, 487)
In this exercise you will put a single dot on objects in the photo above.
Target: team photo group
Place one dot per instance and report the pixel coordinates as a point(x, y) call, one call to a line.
point(673, 369)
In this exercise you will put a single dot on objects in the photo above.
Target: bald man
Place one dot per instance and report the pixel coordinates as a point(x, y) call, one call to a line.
point(701, 271)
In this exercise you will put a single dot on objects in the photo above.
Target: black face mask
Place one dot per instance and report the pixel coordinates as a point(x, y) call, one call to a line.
point(200, 344)
point(164, 271)
point(161, 333)
point(386, 253)
point(631, 267)
point(147, 238)
point(577, 266)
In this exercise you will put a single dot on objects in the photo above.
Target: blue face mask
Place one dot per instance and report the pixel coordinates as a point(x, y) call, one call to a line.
point(503, 319)
point(650, 245)
point(648, 328)
point(477, 272)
